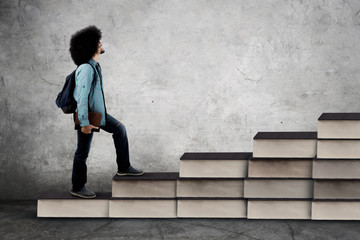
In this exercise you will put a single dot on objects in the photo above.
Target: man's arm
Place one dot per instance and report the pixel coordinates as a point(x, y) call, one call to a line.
point(84, 78)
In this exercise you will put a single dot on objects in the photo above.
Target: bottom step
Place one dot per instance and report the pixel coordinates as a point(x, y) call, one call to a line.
point(142, 208)
point(279, 209)
point(211, 208)
point(66, 205)
point(104, 206)
point(336, 210)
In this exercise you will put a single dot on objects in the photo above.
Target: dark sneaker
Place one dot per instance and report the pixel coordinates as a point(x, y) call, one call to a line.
point(130, 171)
point(84, 192)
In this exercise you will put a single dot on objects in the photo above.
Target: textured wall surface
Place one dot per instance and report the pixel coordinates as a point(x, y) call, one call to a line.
point(182, 75)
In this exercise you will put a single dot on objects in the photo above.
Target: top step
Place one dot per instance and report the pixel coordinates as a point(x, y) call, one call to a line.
point(340, 116)
point(286, 135)
point(339, 126)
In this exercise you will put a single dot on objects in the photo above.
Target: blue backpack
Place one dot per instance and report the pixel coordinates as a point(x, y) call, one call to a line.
point(65, 99)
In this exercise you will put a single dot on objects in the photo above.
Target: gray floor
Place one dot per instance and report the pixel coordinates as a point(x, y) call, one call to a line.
point(18, 221)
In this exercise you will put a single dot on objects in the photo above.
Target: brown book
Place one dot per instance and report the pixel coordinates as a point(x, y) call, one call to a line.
point(94, 119)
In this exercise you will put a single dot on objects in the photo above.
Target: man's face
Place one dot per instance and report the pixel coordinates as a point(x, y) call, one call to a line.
point(101, 50)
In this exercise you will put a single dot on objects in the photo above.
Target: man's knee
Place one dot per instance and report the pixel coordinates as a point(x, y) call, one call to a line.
point(120, 129)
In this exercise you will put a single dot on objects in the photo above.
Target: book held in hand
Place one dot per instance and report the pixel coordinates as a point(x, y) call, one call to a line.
point(94, 119)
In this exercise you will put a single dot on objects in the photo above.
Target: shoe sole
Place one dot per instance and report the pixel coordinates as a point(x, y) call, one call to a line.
point(82, 196)
point(130, 174)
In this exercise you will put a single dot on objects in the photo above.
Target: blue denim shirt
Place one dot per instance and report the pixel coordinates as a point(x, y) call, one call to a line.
point(87, 95)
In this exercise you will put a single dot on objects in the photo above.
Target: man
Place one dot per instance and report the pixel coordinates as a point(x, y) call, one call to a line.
point(85, 50)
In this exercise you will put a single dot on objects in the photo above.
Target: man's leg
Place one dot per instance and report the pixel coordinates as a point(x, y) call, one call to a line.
point(79, 172)
point(120, 141)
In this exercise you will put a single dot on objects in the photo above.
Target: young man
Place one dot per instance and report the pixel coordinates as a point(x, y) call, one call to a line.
point(85, 50)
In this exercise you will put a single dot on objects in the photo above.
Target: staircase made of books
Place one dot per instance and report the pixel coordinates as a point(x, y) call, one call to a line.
point(289, 175)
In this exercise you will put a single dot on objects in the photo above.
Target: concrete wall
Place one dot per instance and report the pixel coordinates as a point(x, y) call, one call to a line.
point(182, 75)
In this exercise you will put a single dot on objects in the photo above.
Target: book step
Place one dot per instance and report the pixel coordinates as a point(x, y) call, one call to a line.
point(285, 144)
point(336, 209)
point(142, 208)
point(150, 184)
point(279, 209)
point(63, 204)
point(278, 188)
point(338, 148)
point(280, 167)
point(336, 168)
point(188, 207)
point(210, 187)
point(337, 189)
point(339, 125)
point(214, 164)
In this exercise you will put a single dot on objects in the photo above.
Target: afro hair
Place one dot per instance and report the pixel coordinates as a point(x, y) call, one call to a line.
point(84, 44)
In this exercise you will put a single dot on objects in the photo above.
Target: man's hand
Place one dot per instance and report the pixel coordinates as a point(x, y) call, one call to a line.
point(88, 128)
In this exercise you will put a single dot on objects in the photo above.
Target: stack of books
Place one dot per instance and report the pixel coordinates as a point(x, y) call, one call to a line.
point(211, 185)
point(279, 183)
point(336, 170)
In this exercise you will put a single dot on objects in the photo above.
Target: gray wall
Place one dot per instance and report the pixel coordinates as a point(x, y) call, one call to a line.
point(181, 75)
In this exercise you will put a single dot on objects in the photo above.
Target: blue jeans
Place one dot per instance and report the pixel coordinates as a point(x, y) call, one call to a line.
point(79, 172)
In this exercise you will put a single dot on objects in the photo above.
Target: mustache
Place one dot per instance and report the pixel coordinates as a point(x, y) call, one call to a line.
point(102, 51)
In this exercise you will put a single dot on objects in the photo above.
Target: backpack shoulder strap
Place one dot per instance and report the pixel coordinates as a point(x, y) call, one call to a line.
point(93, 82)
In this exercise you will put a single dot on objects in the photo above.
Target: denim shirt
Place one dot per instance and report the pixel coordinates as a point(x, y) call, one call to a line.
point(88, 96)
